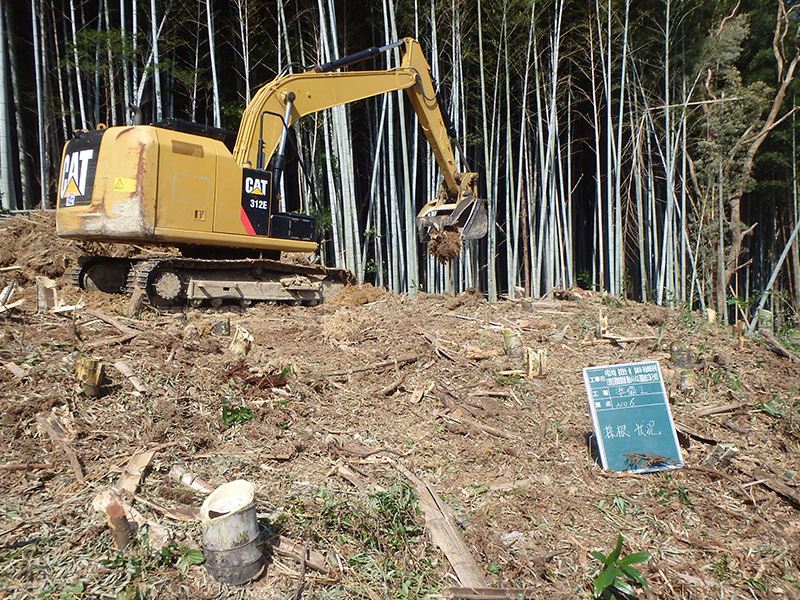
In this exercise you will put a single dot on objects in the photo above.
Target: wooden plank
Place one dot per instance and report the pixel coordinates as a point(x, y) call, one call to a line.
point(379, 365)
point(443, 530)
point(722, 408)
point(132, 377)
point(770, 482)
point(110, 320)
point(132, 475)
point(469, 593)
point(285, 547)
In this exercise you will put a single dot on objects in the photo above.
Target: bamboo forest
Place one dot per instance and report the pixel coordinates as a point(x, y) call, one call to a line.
point(646, 148)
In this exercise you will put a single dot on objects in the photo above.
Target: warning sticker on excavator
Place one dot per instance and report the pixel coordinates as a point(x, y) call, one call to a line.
point(124, 184)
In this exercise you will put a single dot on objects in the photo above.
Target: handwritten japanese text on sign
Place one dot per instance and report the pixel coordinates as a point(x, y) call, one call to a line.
point(631, 417)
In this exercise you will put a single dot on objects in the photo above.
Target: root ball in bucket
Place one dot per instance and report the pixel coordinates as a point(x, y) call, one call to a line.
point(445, 245)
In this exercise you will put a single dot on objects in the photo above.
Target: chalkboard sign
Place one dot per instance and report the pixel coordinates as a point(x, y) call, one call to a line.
point(631, 416)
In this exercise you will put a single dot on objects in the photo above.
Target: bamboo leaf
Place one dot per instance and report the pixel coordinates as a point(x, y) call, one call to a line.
point(635, 575)
point(614, 556)
point(636, 557)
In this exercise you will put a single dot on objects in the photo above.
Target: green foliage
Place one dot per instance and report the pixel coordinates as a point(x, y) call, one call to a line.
point(759, 584)
point(93, 46)
point(184, 557)
point(771, 408)
point(232, 112)
point(73, 592)
point(584, 279)
point(506, 379)
point(745, 304)
point(285, 372)
point(240, 414)
point(614, 579)
point(720, 50)
point(386, 520)
point(323, 217)
point(141, 558)
point(679, 493)
point(621, 503)
point(721, 569)
point(382, 532)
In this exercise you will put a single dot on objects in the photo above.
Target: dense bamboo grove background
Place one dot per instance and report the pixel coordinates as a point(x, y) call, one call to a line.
point(643, 147)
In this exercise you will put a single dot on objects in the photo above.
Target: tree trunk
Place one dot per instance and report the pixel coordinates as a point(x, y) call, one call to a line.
point(213, 57)
point(154, 34)
point(7, 192)
point(40, 93)
point(23, 160)
point(786, 74)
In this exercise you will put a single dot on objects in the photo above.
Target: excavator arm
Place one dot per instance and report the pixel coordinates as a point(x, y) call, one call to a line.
point(279, 104)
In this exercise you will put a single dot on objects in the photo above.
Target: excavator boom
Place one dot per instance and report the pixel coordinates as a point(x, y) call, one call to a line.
point(279, 104)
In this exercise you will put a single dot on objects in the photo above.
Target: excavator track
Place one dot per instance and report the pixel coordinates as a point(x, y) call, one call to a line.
point(177, 281)
point(100, 273)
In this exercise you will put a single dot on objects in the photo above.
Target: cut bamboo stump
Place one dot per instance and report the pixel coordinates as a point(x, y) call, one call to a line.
point(119, 525)
point(89, 372)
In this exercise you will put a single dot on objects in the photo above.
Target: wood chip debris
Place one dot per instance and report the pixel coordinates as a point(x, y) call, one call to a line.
point(472, 593)
point(313, 560)
point(50, 425)
point(190, 480)
point(127, 333)
point(132, 475)
point(137, 383)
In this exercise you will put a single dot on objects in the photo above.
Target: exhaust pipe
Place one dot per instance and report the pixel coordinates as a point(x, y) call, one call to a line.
point(138, 115)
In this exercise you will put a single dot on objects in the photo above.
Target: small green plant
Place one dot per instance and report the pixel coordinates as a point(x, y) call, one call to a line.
point(621, 504)
point(612, 301)
point(613, 582)
point(285, 371)
point(186, 557)
point(771, 408)
point(744, 304)
point(32, 358)
point(585, 280)
point(759, 584)
point(680, 493)
point(74, 592)
point(683, 496)
point(506, 379)
point(721, 569)
point(240, 414)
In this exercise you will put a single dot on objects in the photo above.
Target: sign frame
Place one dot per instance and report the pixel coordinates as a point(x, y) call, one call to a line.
point(622, 387)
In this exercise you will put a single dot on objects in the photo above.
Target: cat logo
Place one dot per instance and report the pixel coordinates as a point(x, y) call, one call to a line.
point(76, 169)
point(255, 186)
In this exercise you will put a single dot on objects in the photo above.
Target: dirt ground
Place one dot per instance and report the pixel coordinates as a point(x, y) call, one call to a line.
point(338, 409)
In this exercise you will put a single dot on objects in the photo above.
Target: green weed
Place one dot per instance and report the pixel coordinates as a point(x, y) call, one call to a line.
point(613, 581)
point(232, 415)
point(506, 379)
point(382, 532)
point(721, 569)
point(621, 504)
point(771, 408)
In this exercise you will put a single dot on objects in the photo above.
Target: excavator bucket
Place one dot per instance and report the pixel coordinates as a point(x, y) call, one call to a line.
point(467, 216)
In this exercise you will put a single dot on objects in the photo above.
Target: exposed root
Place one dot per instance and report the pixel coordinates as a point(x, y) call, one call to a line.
point(445, 245)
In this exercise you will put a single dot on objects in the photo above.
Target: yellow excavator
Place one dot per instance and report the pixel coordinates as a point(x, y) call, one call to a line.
point(191, 186)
